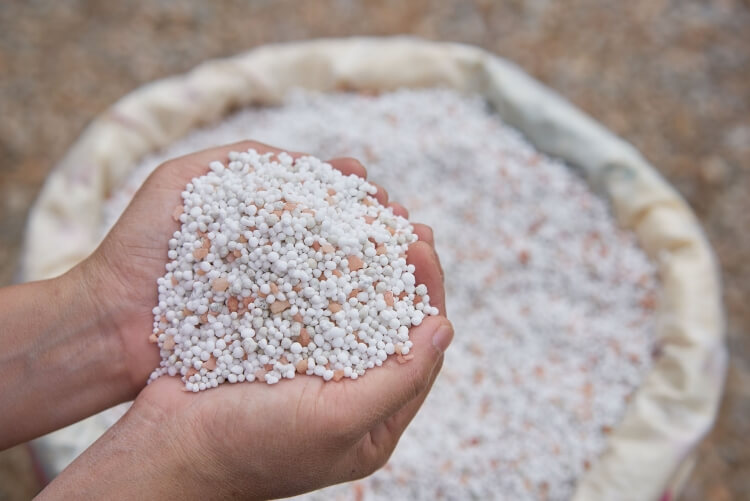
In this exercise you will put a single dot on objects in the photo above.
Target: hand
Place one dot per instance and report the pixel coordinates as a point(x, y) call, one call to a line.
point(251, 440)
point(124, 269)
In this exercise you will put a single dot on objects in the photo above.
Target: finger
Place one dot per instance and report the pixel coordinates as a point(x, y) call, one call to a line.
point(349, 166)
point(387, 433)
point(374, 448)
point(424, 233)
point(383, 391)
point(399, 210)
point(428, 272)
point(353, 166)
point(381, 195)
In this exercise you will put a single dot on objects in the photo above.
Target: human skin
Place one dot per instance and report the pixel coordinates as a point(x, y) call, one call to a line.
point(75, 345)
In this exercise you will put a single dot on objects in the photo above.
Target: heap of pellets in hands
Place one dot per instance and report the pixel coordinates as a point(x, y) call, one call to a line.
point(552, 303)
point(284, 266)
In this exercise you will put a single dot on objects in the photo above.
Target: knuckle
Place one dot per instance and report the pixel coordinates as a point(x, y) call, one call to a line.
point(371, 457)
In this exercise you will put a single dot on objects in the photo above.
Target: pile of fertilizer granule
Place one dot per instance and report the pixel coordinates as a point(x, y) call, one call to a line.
point(552, 303)
point(284, 266)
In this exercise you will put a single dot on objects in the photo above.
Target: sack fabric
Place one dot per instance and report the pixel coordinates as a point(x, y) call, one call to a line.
point(650, 453)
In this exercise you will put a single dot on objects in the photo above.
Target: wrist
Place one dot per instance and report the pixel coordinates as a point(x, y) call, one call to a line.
point(153, 452)
point(140, 457)
point(123, 295)
point(92, 302)
point(58, 353)
point(195, 455)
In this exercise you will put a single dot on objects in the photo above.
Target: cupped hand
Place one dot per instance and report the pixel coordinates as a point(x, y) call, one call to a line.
point(124, 268)
point(256, 440)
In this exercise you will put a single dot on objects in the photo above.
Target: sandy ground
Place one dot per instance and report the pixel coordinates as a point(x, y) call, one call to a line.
point(672, 77)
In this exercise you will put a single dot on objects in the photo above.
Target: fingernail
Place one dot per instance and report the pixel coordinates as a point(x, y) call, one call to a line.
point(443, 337)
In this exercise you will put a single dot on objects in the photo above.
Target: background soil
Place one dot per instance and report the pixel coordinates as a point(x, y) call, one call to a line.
point(672, 77)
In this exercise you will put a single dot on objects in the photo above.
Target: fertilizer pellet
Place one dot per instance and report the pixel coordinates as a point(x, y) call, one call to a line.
point(552, 303)
point(270, 276)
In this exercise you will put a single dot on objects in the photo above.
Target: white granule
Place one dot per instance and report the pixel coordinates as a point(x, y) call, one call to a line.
point(551, 302)
point(280, 267)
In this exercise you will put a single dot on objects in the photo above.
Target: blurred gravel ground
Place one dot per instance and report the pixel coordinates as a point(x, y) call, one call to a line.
point(672, 77)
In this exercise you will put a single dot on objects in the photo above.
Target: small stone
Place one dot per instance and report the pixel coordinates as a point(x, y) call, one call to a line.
point(220, 285)
point(304, 337)
point(279, 306)
point(355, 263)
point(210, 364)
point(168, 343)
point(177, 212)
point(301, 366)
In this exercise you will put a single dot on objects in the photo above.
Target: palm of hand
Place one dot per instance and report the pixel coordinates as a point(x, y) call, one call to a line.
point(301, 434)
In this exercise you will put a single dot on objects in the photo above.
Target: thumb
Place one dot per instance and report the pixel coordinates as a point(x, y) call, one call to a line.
point(384, 390)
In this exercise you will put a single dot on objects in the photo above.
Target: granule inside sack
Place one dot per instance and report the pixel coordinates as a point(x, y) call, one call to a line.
point(552, 303)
